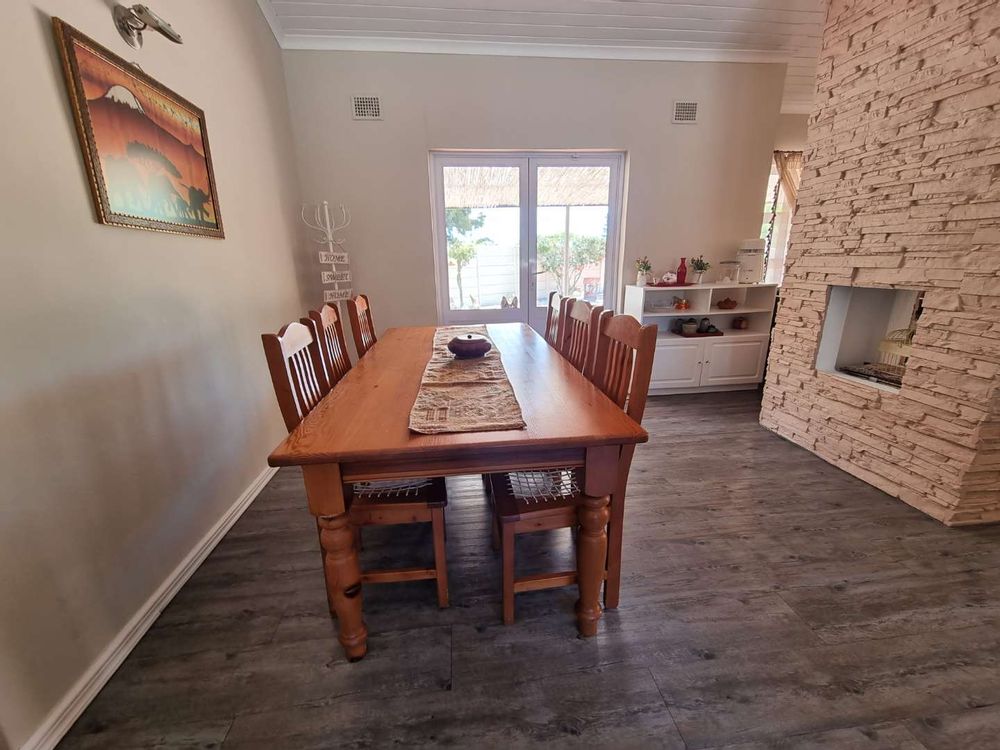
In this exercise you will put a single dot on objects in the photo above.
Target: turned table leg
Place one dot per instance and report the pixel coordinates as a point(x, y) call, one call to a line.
point(329, 599)
point(343, 582)
point(600, 479)
point(325, 491)
point(591, 556)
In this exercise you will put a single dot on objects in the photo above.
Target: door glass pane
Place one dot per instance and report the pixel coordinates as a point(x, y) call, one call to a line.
point(572, 228)
point(483, 234)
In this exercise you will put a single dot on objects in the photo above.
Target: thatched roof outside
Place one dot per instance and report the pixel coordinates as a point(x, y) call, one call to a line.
point(495, 187)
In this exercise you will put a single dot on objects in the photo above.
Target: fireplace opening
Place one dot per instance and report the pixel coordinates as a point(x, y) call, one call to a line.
point(867, 333)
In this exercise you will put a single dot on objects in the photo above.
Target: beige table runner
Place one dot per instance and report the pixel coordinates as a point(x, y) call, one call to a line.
point(464, 395)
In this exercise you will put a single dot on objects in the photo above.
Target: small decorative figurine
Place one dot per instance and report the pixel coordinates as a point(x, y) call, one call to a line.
point(669, 278)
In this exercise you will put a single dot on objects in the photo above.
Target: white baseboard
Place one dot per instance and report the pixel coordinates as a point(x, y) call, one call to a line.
point(78, 697)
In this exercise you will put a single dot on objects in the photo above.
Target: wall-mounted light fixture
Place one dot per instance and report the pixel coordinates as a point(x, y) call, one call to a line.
point(131, 22)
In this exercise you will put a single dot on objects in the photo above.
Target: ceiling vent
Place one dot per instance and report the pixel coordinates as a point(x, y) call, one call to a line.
point(367, 107)
point(685, 113)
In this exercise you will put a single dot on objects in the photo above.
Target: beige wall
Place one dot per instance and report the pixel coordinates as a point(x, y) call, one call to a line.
point(692, 188)
point(792, 132)
point(134, 399)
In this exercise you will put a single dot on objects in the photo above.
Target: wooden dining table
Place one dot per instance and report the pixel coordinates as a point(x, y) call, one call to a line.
point(360, 431)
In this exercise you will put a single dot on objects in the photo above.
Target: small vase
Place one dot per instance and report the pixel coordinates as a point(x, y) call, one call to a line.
point(640, 278)
point(698, 276)
point(682, 271)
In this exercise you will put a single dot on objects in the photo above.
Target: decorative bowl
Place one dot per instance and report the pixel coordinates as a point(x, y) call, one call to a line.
point(728, 304)
point(469, 346)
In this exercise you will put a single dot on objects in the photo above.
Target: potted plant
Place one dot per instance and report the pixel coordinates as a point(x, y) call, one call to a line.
point(642, 269)
point(699, 265)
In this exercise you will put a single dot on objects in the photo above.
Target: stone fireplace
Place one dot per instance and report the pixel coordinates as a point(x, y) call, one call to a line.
point(900, 194)
point(868, 332)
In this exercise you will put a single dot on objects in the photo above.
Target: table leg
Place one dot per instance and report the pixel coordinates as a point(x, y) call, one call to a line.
point(591, 557)
point(612, 586)
point(329, 598)
point(343, 582)
point(616, 530)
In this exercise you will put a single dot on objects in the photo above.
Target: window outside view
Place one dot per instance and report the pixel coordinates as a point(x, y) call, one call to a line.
point(483, 234)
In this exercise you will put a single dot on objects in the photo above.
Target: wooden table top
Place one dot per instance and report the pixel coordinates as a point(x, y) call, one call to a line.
point(366, 416)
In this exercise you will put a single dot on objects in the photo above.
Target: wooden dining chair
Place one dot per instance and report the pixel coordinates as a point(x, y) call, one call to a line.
point(296, 366)
point(328, 330)
point(362, 325)
point(294, 359)
point(553, 316)
point(527, 501)
point(578, 331)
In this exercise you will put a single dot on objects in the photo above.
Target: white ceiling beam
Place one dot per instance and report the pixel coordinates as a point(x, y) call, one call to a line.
point(533, 49)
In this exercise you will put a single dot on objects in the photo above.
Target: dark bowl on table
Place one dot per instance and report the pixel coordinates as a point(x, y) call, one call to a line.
point(469, 346)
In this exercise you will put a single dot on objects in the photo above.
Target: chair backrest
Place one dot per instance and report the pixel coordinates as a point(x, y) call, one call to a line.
point(623, 363)
point(296, 370)
point(362, 326)
point(328, 330)
point(553, 317)
point(578, 332)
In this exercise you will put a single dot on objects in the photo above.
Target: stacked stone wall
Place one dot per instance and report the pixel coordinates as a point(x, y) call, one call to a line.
point(901, 189)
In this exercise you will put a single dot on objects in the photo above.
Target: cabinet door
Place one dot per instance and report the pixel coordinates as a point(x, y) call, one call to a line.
point(677, 365)
point(733, 362)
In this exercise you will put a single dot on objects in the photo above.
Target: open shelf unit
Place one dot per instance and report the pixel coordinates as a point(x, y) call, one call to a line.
point(732, 361)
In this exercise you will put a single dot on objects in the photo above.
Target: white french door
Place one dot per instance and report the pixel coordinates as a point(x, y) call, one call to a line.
point(511, 228)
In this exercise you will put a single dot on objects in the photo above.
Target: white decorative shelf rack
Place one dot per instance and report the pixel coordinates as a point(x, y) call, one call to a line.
point(733, 361)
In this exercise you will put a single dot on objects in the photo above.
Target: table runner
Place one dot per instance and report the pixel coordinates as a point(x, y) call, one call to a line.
point(464, 395)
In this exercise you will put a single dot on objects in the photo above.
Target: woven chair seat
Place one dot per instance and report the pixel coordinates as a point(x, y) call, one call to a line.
point(518, 493)
point(416, 490)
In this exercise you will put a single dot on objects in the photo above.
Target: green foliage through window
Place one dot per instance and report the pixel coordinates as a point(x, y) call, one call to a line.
point(567, 267)
point(458, 224)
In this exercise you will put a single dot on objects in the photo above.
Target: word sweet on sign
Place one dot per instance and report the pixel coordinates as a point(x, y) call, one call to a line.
point(335, 277)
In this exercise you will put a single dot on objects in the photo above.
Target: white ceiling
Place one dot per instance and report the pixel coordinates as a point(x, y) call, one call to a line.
point(726, 30)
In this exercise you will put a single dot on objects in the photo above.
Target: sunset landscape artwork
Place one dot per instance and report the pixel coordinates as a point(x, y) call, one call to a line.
point(145, 147)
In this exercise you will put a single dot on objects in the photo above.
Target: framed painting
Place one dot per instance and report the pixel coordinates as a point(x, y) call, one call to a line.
point(145, 147)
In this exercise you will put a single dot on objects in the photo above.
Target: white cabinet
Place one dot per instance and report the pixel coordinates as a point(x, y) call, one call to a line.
point(733, 361)
point(692, 364)
point(677, 365)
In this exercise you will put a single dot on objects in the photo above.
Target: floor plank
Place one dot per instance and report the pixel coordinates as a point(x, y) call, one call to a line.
point(769, 600)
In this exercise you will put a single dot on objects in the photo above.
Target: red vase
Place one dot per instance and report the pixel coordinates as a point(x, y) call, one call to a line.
point(682, 271)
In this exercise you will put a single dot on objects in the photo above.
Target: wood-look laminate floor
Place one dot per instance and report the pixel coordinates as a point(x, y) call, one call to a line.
point(769, 601)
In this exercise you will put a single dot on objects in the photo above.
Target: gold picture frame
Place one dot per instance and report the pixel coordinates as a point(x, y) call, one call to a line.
point(145, 147)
